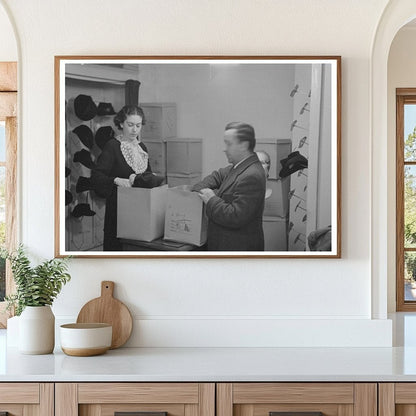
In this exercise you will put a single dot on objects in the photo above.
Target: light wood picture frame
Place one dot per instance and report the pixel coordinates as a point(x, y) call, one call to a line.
point(290, 104)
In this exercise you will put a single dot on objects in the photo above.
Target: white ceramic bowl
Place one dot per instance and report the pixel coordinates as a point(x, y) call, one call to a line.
point(83, 340)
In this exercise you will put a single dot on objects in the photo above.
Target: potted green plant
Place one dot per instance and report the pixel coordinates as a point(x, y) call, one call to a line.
point(36, 289)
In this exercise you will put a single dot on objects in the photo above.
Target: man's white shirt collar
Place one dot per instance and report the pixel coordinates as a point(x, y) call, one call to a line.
point(241, 161)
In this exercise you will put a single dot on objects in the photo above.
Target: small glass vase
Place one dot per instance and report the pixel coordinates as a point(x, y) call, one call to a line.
point(37, 330)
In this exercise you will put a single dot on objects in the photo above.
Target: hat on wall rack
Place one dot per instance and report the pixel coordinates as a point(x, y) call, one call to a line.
point(131, 92)
point(105, 109)
point(83, 184)
point(82, 210)
point(68, 197)
point(84, 157)
point(85, 135)
point(294, 162)
point(103, 135)
point(84, 107)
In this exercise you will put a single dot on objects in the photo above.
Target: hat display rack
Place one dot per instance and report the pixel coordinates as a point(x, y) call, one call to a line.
point(104, 129)
point(296, 165)
point(79, 140)
point(84, 209)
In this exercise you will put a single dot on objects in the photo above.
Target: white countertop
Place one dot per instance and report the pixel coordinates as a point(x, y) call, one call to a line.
point(222, 364)
point(215, 364)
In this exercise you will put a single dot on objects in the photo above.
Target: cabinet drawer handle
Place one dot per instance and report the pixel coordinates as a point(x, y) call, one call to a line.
point(296, 414)
point(139, 414)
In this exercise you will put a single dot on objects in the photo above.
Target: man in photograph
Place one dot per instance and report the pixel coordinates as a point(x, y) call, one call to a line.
point(234, 195)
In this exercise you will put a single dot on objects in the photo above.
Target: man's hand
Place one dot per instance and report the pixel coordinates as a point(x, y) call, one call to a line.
point(206, 194)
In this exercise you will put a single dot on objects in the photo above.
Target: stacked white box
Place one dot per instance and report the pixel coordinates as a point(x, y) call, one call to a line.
point(184, 155)
point(157, 155)
point(184, 161)
point(160, 121)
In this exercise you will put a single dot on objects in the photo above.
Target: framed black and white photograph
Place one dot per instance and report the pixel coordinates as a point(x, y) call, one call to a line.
point(198, 156)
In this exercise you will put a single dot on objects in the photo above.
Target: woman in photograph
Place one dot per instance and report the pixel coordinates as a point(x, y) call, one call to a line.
point(124, 162)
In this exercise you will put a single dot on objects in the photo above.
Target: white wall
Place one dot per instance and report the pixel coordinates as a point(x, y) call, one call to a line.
point(215, 302)
point(263, 101)
point(8, 48)
point(324, 186)
point(401, 74)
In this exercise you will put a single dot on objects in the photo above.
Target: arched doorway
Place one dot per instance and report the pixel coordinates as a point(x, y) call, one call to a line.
point(397, 14)
point(8, 148)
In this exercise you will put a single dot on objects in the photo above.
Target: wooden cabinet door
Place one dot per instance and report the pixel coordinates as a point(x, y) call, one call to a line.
point(397, 399)
point(270, 399)
point(154, 399)
point(27, 399)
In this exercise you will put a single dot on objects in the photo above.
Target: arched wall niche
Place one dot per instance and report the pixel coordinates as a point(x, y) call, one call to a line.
point(396, 15)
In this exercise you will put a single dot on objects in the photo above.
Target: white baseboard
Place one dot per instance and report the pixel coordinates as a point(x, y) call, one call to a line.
point(256, 332)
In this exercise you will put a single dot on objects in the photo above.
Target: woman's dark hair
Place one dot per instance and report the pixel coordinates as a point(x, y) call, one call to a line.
point(128, 110)
point(244, 133)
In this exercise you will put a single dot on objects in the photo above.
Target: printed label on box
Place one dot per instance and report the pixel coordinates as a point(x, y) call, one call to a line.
point(185, 220)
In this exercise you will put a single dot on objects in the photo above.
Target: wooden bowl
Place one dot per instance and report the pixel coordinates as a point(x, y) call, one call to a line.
point(84, 340)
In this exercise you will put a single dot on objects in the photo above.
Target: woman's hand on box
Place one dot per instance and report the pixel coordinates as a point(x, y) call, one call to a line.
point(132, 177)
point(125, 183)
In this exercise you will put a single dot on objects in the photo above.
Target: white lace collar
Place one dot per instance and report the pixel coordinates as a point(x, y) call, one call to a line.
point(134, 155)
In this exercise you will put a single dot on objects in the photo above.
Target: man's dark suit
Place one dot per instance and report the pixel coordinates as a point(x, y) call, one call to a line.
point(235, 212)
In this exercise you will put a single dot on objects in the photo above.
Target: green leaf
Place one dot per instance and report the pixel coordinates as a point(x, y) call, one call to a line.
point(35, 286)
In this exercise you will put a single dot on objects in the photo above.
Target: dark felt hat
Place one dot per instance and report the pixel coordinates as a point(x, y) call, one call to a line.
point(84, 134)
point(103, 135)
point(105, 109)
point(84, 157)
point(67, 172)
point(83, 184)
point(84, 107)
point(294, 162)
point(68, 197)
point(147, 180)
point(82, 210)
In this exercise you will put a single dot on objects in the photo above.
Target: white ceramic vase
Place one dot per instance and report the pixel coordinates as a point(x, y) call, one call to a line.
point(36, 330)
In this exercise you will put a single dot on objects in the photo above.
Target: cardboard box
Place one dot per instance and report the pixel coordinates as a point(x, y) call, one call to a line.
point(157, 155)
point(185, 219)
point(160, 120)
point(277, 149)
point(275, 233)
point(277, 204)
point(141, 213)
point(184, 156)
point(178, 179)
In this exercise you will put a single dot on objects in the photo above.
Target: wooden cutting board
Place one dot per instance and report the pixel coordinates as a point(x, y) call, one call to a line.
point(107, 309)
